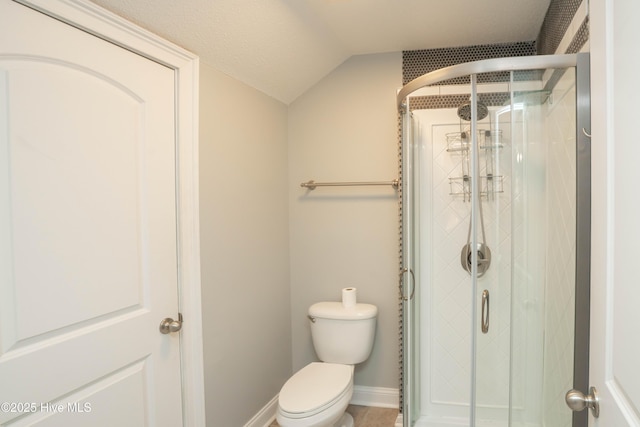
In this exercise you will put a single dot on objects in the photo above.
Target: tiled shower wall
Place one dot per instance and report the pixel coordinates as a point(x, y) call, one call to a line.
point(559, 22)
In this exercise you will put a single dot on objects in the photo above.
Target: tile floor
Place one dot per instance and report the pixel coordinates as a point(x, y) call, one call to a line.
point(366, 416)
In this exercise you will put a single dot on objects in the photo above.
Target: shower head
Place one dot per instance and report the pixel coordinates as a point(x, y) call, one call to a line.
point(464, 111)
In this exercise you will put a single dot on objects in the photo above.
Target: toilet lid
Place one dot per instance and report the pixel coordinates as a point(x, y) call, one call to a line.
point(314, 387)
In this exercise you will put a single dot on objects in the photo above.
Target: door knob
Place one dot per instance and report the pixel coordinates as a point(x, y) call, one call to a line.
point(577, 401)
point(169, 325)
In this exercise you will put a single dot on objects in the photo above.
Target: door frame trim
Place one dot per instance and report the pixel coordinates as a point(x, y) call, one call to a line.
point(101, 23)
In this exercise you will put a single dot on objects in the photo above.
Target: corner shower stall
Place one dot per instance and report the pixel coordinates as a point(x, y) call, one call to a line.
point(495, 242)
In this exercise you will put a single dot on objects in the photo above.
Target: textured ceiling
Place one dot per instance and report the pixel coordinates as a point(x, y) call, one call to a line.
point(283, 47)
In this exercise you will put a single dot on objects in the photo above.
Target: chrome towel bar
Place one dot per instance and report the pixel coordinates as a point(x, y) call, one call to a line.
point(311, 185)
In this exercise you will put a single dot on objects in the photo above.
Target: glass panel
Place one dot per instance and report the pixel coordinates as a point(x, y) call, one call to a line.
point(491, 323)
point(529, 231)
point(543, 239)
point(409, 279)
point(443, 213)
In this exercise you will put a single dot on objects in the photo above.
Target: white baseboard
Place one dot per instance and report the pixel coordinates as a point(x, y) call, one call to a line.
point(366, 396)
point(380, 397)
point(266, 415)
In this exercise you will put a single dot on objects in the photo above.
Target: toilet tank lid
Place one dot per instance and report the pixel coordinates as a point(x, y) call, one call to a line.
point(335, 310)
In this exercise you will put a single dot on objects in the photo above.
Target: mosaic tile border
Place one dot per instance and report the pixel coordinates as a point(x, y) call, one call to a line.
point(580, 38)
point(555, 25)
point(454, 101)
point(418, 62)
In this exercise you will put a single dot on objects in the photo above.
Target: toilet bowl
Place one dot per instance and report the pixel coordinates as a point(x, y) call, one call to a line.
point(317, 396)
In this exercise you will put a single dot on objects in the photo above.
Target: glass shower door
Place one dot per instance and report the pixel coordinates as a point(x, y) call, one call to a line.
point(495, 249)
point(490, 152)
point(524, 359)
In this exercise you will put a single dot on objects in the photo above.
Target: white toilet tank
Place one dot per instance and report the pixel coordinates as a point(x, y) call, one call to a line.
point(343, 335)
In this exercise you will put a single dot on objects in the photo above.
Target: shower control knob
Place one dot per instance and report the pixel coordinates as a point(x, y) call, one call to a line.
point(577, 401)
point(169, 325)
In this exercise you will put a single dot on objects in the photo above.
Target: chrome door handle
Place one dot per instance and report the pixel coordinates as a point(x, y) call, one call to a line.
point(485, 311)
point(413, 284)
point(577, 401)
point(169, 325)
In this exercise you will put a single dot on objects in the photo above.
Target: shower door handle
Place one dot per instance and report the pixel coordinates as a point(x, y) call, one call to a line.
point(485, 312)
point(413, 284)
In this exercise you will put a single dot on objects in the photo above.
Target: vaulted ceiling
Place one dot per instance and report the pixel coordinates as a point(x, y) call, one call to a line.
point(283, 47)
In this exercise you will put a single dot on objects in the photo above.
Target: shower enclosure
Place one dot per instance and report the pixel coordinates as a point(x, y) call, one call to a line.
point(495, 245)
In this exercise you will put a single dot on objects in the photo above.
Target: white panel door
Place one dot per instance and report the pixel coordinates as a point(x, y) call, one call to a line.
point(87, 230)
point(615, 297)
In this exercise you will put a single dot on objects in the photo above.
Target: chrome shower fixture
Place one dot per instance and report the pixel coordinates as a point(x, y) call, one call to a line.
point(483, 253)
point(484, 258)
point(464, 111)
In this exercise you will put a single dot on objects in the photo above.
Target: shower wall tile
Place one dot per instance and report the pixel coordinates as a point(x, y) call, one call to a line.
point(581, 37)
point(454, 101)
point(418, 62)
point(555, 25)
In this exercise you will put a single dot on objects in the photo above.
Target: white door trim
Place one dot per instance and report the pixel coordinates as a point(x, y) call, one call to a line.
point(106, 25)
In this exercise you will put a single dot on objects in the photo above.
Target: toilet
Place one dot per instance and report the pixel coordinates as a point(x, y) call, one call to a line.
point(318, 394)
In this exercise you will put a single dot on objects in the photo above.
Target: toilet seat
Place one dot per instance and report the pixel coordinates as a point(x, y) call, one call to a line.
point(314, 388)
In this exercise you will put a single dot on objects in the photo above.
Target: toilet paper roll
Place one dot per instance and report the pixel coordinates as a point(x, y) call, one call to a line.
point(349, 297)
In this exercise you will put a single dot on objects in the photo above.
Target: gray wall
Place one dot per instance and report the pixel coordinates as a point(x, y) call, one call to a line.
point(270, 249)
point(244, 248)
point(345, 129)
